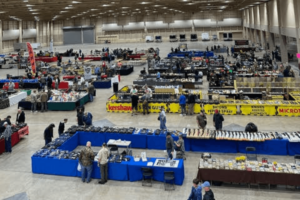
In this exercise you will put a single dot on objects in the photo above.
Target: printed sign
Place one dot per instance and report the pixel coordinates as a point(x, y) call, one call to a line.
point(258, 110)
point(87, 73)
point(223, 109)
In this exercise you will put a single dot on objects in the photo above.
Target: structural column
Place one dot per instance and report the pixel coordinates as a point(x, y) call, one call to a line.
point(1, 48)
point(51, 31)
point(37, 32)
point(297, 20)
point(48, 34)
point(271, 41)
point(283, 48)
point(262, 38)
point(20, 32)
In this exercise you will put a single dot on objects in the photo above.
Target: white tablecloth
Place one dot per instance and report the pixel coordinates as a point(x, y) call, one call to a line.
point(14, 99)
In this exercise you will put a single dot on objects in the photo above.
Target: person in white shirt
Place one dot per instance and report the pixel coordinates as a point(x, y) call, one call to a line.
point(102, 161)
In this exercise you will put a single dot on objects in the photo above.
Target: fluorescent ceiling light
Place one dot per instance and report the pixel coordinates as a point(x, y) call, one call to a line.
point(76, 2)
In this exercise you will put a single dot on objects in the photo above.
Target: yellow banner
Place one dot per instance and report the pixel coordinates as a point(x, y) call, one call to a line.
point(291, 111)
point(258, 110)
point(223, 109)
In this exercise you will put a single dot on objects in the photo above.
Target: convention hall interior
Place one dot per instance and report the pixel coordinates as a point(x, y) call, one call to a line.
point(149, 99)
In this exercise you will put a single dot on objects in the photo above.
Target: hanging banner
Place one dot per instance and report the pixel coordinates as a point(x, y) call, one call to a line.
point(31, 57)
point(87, 73)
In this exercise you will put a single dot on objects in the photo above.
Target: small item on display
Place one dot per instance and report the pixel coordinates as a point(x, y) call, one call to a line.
point(57, 142)
point(199, 133)
point(243, 164)
point(59, 96)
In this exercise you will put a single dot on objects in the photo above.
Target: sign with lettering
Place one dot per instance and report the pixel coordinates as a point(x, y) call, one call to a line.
point(223, 109)
point(288, 111)
point(258, 110)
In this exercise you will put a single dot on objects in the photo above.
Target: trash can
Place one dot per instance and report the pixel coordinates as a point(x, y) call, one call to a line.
point(116, 87)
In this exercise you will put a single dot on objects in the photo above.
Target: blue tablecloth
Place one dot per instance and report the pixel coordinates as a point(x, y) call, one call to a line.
point(97, 139)
point(54, 166)
point(102, 84)
point(268, 147)
point(71, 143)
point(216, 146)
point(116, 171)
point(18, 80)
point(137, 140)
point(293, 148)
point(135, 173)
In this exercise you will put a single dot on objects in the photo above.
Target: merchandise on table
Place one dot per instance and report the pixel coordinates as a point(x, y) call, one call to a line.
point(242, 164)
point(59, 96)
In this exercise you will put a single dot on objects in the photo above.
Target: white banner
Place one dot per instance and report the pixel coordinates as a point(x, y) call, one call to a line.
point(87, 73)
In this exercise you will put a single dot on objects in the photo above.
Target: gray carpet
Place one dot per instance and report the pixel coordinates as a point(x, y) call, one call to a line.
point(233, 127)
point(103, 122)
point(21, 196)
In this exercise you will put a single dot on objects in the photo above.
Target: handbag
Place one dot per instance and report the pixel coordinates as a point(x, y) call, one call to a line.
point(79, 167)
point(158, 118)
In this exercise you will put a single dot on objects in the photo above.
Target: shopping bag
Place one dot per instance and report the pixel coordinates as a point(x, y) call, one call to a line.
point(79, 167)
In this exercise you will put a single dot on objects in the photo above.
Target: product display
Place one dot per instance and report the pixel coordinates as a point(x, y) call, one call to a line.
point(59, 96)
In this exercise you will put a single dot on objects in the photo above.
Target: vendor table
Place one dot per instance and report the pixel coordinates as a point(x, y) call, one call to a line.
point(15, 139)
point(26, 105)
point(46, 59)
point(32, 85)
point(135, 173)
point(14, 99)
point(125, 70)
point(102, 83)
point(238, 176)
point(63, 106)
point(2, 146)
point(90, 57)
point(293, 148)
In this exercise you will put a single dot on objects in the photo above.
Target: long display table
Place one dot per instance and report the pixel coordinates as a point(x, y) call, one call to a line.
point(102, 84)
point(15, 138)
point(158, 142)
point(124, 171)
point(239, 176)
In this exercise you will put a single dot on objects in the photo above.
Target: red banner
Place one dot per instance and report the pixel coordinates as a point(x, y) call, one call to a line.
point(31, 57)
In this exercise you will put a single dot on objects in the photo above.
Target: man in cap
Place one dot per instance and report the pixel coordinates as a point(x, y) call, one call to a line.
point(218, 120)
point(7, 136)
point(86, 159)
point(209, 195)
point(103, 160)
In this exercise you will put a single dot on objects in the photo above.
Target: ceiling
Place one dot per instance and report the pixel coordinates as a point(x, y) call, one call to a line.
point(46, 10)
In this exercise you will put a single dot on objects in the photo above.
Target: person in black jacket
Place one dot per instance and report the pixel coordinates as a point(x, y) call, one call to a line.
point(20, 117)
point(48, 133)
point(49, 82)
point(218, 120)
point(80, 118)
point(191, 103)
point(8, 120)
point(61, 127)
point(209, 195)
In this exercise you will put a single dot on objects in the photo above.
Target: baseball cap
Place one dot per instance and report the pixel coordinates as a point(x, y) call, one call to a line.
point(5, 123)
point(206, 184)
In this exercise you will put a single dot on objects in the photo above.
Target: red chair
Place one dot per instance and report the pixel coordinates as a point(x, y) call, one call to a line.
point(103, 76)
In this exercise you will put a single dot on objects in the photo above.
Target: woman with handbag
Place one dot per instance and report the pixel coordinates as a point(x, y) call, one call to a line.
point(162, 118)
point(202, 121)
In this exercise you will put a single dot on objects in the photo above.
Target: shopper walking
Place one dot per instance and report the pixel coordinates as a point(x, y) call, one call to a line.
point(134, 104)
point(48, 133)
point(7, 137)
point(102, 161)
point(91, 91)
point(196, 193)
point(86, 159)
point(61, 127)
point(144, 101)
point(162, 118)
point(209, 195)
point(44, 99)
point(49, 82)
point(170, 145)
point(218, 120)
point(33, 101)
point(80, 118)
point(20, 117)
point(201, 121)
point(191, 103)
point(182, 103)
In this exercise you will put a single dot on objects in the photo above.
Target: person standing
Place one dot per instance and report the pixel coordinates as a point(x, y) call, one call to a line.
point(170, 145)
point(91, 91)
point(209, 195)
point(144, 101)
point(182, 103)
point(218, 120)
point(201, 121)
point(162, 118)
point(7, 137)
point(88, 119)
point(20, 117)
point(48, 133)
point(103, 160)
point(227, 51)
point(196, 193)
point(44, 99)
point(43, 81)
point(191, 103)
point(61, 127)
point(86, 159)
point(33, 101)
point(57, 82)
point(80, 118)
point(49, 82)
point(104, 67)
point(134, 104)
